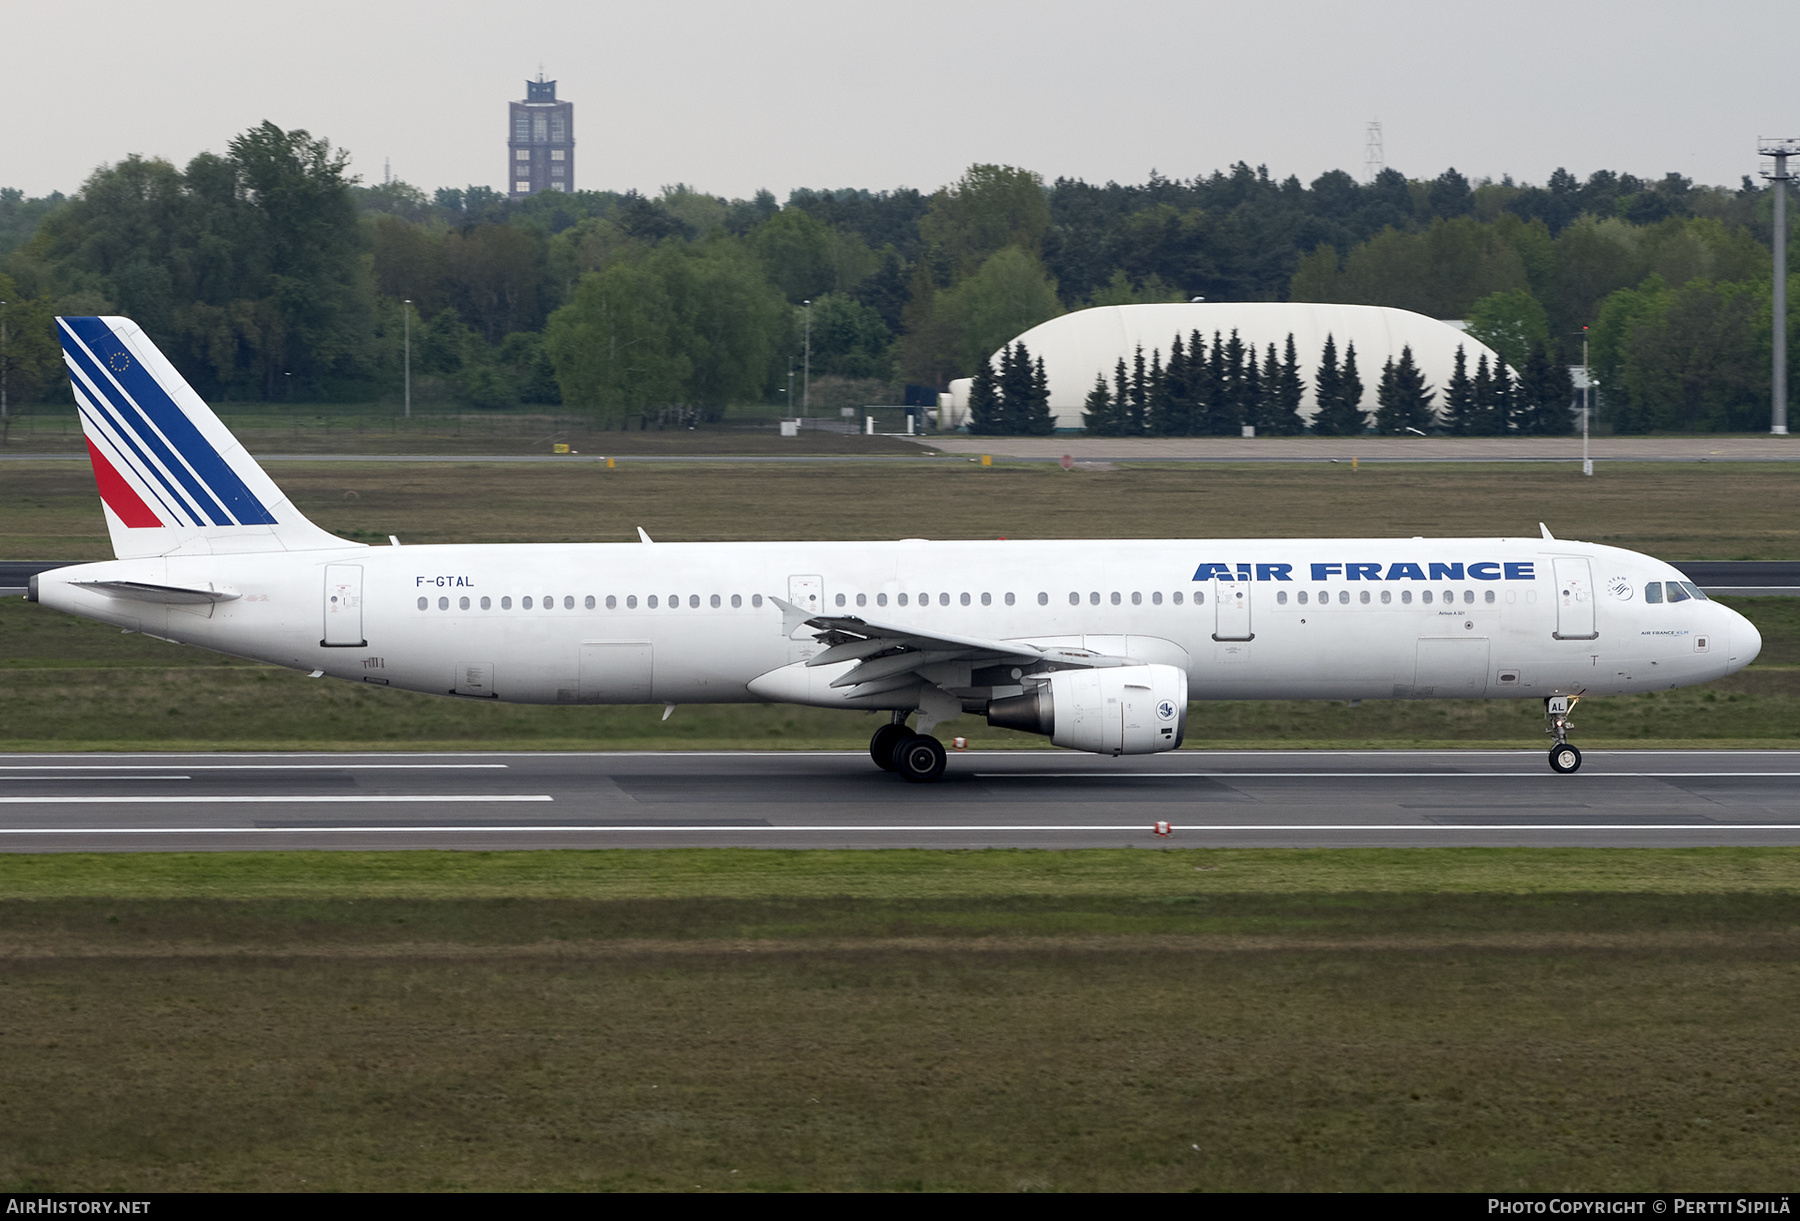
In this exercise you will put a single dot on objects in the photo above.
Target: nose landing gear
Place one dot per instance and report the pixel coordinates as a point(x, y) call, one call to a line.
point(1564, 758)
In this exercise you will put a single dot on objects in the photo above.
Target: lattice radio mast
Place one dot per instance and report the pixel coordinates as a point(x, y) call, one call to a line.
point(1373, 159)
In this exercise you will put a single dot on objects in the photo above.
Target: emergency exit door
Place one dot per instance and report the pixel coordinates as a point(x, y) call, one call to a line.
point(343, 607)
point(1231, 610)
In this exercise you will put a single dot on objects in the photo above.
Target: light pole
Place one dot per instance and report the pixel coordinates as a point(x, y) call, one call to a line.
point(1587, 383)
point(5, 364)
point(1780, 150)
point(806, 373)
point(406, 307)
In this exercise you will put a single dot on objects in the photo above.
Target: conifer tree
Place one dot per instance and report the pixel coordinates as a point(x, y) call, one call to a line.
point(1168, 417)
point(1015, 389)
point(1206, 423)
point(1035, 420)
point(1404, 400)
point(1253, 389)
point(1326, 386)
point(1199, 386)
point(1482, 398)
point(1097, 415)
point(1229, 412)
point(1121, 401)
point(1545, 392)
point(1156, 389)
point(985, 411)
point(1137, 401)
point(1499, 420)
point(1459, 397)
point(1290, 389)
point(1350, 394)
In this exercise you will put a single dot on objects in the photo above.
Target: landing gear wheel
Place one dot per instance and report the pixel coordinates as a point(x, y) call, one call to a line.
point(920, 758)
point(882, 745)
point(1565, 759)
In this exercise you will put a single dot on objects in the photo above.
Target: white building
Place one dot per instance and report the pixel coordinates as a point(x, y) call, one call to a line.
point(1078, 347)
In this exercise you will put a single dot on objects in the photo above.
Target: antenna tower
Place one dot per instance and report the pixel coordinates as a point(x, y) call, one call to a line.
point(1373, 160)
point(1779, 151)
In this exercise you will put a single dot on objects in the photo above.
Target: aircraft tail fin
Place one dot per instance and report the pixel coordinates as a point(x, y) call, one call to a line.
point(172, 478)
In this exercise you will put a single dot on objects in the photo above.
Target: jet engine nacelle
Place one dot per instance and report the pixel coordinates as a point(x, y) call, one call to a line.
point(1124, 710)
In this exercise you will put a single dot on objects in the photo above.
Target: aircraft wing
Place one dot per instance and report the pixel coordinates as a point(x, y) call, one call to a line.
point(889, 654)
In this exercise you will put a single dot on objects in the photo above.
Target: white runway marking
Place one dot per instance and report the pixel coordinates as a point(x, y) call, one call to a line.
point(1134, 828)
point(277, 799)
point(78, 779)
point(1299, 775)
point(242, 767)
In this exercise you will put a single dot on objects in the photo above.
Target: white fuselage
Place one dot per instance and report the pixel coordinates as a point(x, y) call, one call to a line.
point(694, 622)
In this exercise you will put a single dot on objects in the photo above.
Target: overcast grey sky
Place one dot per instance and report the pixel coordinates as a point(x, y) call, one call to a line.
point(730, 97)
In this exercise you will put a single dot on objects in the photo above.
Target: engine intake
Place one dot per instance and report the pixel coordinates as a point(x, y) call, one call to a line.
point(1125, 710)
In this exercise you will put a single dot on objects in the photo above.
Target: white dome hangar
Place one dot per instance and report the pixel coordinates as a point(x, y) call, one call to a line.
point(1078, 347)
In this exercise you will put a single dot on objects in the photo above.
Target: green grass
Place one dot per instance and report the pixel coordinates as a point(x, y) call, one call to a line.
point(1474, 1019)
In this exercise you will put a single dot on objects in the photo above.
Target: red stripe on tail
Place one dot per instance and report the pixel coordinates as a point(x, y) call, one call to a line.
point(125, 503)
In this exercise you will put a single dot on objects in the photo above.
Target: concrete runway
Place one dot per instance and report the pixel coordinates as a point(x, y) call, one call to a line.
point(1027, 799)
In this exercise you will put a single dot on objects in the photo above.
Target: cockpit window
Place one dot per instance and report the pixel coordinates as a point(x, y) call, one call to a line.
point(1653, 592)
point(1695, 590)
point(1677, 593)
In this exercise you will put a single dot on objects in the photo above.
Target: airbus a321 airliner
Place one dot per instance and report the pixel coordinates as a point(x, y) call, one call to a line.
point(1099, 645)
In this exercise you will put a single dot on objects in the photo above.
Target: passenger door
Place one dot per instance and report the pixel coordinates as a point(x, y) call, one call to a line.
point(343, 607)
point(1574, 599)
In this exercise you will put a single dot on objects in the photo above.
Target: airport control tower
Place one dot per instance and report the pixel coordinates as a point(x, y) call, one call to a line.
point(540, 145)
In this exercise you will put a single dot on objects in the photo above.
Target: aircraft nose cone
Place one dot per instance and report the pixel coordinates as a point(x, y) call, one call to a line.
point(1746, 642)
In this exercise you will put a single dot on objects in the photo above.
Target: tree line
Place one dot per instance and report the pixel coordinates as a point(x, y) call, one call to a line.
point(268, 273)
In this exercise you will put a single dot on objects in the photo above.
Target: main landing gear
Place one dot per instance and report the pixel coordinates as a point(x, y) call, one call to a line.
point(917, 756)
point(1564, 758)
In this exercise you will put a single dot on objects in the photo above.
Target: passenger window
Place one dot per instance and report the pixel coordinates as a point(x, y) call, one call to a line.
point(1468, 597)
point(840, 599)
point(462, 604)
point(1695, 590)
point(1094, 598)
point(1324, 597)
point(1344, 597)
point(1406, 597)
point(525, 603)
point(1137, 599)
point(1199, 596)
point(1676, 592)
point(550, 602)
point(424, 602)
point(862, 599)
point(1301, 597)
point(714, 601)
point(630, 601)
point(1449, 596)
point(1043, 598)
point(487, 603)
point(506, 603)
point(944, 599)
point(1115, 597)
point(1074, 598)
point(964, 599)
point(756, 600)
point(1010, 599)
point(1364, 596)
point(737, 600)
point(649, 602)
point(1156, 597)
point(987, 599)
point(443, 604)
point(880, 599)
point(1489, 598)
point(588, 602)
point(1653, 592)
point(901, 599)
point(1281, 597)
point(612, 602)
point(1387, 597)
point(1425, 597)
point(569, 602)
point(1177, 597)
